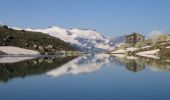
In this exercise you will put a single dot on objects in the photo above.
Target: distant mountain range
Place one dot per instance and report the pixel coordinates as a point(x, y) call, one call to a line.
point(83, 39)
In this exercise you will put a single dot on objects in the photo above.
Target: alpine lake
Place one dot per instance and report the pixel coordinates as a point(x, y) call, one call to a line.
point(88, 77)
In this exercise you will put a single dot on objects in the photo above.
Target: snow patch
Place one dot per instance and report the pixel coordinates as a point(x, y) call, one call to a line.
point(168, 61)
point(119, 55)
point(145, 47)
point(131, 49)
point(17, 51)
point(16, 28)
point(150, 54)
point(120, 51)
point(14, 59)
point(168, 47)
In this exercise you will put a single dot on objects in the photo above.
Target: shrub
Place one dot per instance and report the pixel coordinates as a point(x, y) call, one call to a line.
point(23, 31)
point(5, 26)
point(164, 53)
point(142, 44)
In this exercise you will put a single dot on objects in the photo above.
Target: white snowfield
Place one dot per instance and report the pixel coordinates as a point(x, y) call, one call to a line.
point(150, 54)
point(14, 59)
point(122, 51)
point(131, 49)
point(167, 60)
point(124, 56)
point(119, 55)
point(69, 34)
point(168, 47)
point(11, 50)
point(145, 47)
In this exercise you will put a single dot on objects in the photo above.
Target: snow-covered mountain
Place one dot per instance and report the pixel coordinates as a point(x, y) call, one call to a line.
point(83, 39)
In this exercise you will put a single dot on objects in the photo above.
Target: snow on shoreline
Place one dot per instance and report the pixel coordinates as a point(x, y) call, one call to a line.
point(150, 54)
point(16, 54)
point(122, 51)
point(14, 59)
point(11, 50)
point(168, 47)
point(145, 47)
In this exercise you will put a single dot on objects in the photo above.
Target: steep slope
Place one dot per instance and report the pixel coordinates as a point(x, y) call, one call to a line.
point(43, 43)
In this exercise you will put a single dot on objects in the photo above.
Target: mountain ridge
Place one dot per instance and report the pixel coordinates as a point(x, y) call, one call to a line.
point(86, 40)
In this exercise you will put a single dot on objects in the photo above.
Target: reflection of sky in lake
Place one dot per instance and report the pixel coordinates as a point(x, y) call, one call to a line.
point(96, 77)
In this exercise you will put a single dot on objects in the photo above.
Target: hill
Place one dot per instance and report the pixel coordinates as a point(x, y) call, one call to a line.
point(158, 47)
point(38, 41)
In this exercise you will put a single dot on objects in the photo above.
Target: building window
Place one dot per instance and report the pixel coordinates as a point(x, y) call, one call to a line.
point(130, 38)
point(139, 38)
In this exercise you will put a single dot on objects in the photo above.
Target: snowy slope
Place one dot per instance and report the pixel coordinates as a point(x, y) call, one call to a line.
point(89, 39)
point(150, 53)
point(83, 39)
point(66, 34)
point(14, 59)
point(17, 51)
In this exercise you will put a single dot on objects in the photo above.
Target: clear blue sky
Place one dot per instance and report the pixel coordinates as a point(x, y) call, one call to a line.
point(110, 17)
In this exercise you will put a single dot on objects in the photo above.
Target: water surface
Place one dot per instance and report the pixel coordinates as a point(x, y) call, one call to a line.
point(90, 77)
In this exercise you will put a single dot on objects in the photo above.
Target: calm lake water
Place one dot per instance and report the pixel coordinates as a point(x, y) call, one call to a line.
point(91, 77)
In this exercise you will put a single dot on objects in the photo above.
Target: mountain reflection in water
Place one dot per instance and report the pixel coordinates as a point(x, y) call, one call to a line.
point(59, 66)
point(35, 66)
point(84, 64)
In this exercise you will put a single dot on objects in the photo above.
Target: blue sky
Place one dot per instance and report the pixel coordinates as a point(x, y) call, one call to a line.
point(110, 17)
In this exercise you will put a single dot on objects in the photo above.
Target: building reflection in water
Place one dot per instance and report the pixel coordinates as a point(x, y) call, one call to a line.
point(134, 66)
